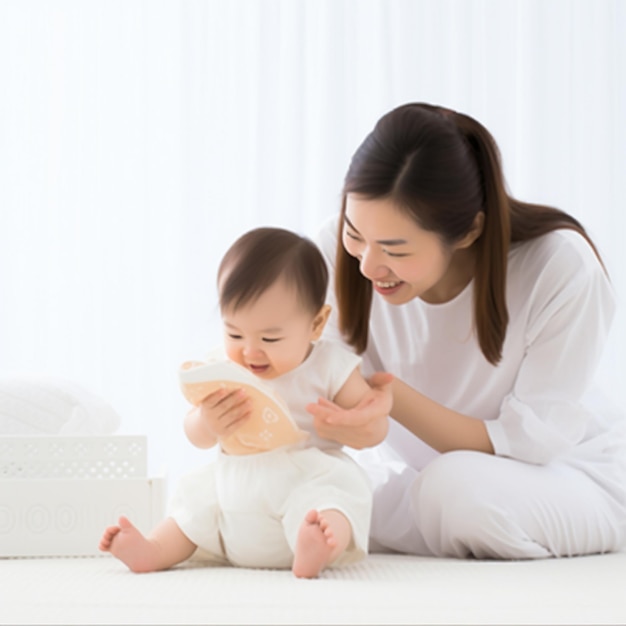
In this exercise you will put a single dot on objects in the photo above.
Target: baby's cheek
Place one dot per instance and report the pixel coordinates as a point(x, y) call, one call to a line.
point(233, 354)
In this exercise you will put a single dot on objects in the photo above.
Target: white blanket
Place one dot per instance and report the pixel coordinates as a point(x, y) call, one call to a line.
point(43, 405)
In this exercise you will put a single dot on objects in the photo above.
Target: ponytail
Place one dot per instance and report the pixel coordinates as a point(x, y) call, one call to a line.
point(492, 247)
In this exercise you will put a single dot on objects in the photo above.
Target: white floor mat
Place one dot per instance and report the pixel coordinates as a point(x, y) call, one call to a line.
point(385, 589)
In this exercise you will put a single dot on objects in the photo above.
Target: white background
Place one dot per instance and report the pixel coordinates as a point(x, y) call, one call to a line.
point(139, 139)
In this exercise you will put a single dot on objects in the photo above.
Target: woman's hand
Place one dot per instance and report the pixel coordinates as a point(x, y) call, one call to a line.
point(362, 426)
point(218, 416)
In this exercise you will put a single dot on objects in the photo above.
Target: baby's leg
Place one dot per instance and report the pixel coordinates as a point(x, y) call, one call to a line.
point(323, 536)
point(166, 546)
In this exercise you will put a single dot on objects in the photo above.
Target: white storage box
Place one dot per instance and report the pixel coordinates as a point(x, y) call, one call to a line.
point(57, 494)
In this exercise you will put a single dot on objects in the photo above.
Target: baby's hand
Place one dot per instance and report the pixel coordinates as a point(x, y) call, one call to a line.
point(224, 411)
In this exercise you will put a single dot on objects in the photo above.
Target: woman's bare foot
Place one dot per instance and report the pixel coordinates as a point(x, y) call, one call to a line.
point(125, 542)
point(322, 537)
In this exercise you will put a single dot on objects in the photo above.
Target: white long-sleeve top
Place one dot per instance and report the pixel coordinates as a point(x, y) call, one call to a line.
point(560, 305)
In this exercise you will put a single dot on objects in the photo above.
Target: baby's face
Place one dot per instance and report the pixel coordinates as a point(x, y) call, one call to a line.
point(270, 336)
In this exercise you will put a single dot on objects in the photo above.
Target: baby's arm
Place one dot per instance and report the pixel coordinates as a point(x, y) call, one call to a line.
point(217, 416)
point(354, 390)
point(358, 416)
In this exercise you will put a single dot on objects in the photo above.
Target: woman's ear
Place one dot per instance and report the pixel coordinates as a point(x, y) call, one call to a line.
point(474, 232)
point(319, 321)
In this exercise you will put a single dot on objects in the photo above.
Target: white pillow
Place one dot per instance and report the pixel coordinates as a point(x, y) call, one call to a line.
point(44, 405)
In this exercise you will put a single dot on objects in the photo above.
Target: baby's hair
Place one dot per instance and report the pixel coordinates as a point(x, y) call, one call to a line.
point(262, 256)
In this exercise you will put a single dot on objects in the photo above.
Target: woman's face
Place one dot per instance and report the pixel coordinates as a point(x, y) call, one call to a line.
point(402, 260)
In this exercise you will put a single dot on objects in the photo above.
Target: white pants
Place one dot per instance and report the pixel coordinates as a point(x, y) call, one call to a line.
point(471, 504)
point(247, 510)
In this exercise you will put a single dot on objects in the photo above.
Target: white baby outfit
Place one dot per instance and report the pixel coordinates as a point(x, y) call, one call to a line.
point(247, 509)
point(557, 482)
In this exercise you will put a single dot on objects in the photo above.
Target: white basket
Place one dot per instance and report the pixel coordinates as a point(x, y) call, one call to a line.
point(57, 494)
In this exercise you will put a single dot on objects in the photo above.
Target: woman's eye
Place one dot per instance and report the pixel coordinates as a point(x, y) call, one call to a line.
point(396, 255)
point(352, 235)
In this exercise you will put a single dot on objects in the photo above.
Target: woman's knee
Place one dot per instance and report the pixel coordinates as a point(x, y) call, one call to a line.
point(459, 512)
point(451, 479)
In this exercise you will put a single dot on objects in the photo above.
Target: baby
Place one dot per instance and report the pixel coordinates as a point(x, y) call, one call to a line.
point(304, 506)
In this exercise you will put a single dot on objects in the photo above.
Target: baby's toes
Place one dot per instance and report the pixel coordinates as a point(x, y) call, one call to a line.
point(329, 536)
point(312, 517)
point(105, 543)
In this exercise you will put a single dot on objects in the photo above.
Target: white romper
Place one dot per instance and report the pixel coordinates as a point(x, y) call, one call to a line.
point(557, 482)
point(246, 510)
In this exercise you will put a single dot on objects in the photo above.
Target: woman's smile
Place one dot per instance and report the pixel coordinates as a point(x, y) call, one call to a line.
point(387, 288)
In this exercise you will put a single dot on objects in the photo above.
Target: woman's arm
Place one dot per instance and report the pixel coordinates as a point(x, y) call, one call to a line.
point(366, 424)
point(441, 428)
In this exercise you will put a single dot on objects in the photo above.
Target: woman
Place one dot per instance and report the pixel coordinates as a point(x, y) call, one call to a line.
point(491, 314)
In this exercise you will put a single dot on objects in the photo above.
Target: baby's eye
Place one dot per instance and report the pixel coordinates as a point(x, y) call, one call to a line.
point(271, 339)
point(234, 336)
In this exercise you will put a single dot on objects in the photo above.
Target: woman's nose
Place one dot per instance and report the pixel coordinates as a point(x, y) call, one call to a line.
point(370, 265)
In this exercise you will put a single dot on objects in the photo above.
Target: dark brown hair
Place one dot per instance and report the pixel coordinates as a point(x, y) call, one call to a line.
point(442, 168)
point(262, 256)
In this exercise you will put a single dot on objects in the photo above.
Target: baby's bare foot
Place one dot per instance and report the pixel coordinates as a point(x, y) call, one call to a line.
point(315, 547)
point(126, 543)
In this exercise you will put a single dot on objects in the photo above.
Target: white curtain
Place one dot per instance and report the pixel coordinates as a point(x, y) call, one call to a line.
point(139, 138)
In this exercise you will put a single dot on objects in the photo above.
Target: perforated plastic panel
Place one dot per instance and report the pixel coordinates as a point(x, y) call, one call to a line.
point(73, 457)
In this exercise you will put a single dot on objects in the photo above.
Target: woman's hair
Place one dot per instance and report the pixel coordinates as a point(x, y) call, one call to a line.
point(262, 256)
point(441, 168)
